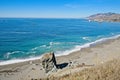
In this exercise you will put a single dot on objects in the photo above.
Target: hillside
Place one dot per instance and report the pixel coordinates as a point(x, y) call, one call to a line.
point(109, 17)
point(106, 71)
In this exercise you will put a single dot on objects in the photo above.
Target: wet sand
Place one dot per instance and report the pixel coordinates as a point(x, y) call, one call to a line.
point(76, 61)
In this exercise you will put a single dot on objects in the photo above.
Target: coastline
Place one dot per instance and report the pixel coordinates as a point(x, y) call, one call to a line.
point(62, 53)
point(94, 55)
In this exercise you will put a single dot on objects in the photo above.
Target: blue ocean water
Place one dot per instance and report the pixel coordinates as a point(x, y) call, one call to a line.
point(29, 37)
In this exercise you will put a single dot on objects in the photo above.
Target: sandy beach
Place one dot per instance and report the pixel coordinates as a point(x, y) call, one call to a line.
point(59, 40)
point(85, 58)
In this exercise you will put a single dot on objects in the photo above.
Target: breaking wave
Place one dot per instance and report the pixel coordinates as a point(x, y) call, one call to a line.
point(58, 53)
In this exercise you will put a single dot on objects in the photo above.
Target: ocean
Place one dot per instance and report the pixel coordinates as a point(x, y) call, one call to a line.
point(25, 38)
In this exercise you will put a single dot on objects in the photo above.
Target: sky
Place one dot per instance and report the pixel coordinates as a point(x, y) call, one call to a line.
point(56, 8)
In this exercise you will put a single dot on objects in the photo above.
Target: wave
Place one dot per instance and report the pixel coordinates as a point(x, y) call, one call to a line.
point(18, 60)
point(86, 38)
point(7, 55)
point(59, 53)
point(38, 47)
point(46, 46)
point(54, 43)
point(79, 47)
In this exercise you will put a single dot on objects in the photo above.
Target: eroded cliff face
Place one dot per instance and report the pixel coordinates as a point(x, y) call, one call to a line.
point(109, 17)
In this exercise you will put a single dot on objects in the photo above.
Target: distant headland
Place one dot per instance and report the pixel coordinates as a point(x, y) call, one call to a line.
point(109, 17)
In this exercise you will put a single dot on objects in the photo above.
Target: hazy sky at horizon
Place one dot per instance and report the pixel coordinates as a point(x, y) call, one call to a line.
point(56, 8)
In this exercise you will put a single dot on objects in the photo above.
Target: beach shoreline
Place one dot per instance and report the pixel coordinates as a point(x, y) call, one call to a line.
point(93, 55)
point(63, 53)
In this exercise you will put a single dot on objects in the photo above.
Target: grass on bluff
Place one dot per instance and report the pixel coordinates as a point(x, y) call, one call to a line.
point(106, 71)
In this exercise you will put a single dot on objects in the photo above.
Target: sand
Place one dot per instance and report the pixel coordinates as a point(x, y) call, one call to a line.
point(76, 61)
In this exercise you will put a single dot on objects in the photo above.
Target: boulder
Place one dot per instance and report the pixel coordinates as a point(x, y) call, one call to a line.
point(49, 62)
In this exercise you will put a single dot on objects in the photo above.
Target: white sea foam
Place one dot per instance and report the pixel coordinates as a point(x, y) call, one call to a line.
point(54, 43)
point(78, 48)
point(86, 38)
point(43, 46)
point(59, 53)
point(18, 60)
point(51, 43)
point(11, 53)
point(36, 48)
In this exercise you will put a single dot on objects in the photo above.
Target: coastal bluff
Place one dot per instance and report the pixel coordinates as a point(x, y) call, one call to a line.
point(108, 17)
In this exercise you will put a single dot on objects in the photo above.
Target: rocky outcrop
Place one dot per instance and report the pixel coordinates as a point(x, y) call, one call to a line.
point(49, 62)
point(109, 17)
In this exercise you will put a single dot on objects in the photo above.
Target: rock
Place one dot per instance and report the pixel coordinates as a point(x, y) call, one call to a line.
point(49, 62)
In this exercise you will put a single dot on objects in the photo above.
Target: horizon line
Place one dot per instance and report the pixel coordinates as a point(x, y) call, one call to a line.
point(48, 17)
